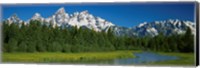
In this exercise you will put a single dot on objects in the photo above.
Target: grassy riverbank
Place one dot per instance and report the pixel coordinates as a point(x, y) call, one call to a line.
point(58, 57)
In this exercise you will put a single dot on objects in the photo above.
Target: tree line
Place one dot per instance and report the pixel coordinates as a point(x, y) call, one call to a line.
point(37, 37)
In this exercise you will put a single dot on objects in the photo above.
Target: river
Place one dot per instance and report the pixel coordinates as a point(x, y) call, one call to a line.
point(144, 57)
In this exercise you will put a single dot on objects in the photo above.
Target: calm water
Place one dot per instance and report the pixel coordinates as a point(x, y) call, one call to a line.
point(145, 57)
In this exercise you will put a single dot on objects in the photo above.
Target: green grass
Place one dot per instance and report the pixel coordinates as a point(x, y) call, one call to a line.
point(186, 59)
point(93, 57)
point(48, 57)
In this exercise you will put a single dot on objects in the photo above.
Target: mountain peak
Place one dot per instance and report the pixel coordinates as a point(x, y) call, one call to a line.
point(14, 16)
point(84, 12)
point(142, 24)
point(37, 16)
point(60, 10)
point(14, 19)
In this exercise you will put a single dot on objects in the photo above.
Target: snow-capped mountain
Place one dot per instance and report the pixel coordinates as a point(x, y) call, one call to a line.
point(38, 17)
point(59, 18)
point(84, 19)
point(166, 27)
point(14, 19)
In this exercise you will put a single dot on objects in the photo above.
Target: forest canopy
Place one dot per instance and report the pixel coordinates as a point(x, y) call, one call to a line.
point(36, 37)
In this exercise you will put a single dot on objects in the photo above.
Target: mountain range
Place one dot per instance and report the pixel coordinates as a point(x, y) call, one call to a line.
point(84, 19)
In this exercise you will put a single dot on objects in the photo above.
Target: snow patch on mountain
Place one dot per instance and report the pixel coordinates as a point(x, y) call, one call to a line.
point(142, 24)
point(152, 31)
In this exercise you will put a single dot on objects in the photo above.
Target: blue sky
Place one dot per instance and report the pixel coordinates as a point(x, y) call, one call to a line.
point(121, 14)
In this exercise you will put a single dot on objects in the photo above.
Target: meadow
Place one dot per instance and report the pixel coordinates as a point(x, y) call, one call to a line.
point(58, 57)
point(92, 57)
